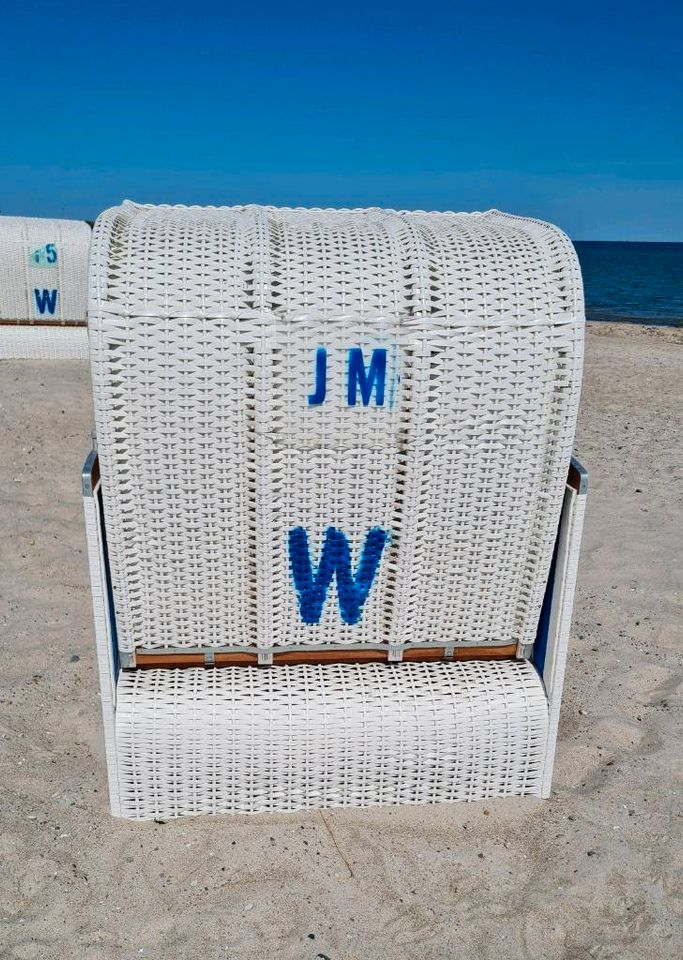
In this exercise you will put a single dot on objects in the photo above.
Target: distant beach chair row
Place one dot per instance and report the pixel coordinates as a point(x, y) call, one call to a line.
point(43, 288)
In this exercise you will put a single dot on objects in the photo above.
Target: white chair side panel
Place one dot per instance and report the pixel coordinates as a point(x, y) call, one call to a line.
point(569, 547)
point(103, 643)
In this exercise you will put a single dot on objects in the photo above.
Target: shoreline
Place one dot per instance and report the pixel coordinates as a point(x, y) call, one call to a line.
point(638, 321)
point(624, 328)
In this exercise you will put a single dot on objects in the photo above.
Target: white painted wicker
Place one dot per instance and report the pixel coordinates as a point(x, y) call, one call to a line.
point(247, 740)
point(205, 326)
point(107, 659)
point(185, 741)
point(555, 658)
point(43, 269)
point(37, 342)
point(43, 288)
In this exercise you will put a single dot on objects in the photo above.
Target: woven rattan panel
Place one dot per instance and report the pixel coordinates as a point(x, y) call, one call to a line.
point(34, 342)
point(249, 740)
point(331, 427)
point(43, 271)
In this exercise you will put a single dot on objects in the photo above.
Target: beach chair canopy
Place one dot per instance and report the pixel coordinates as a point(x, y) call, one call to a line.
point(328, 428)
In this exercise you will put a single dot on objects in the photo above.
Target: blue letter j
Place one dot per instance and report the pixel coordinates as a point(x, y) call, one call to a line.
point(317, 397)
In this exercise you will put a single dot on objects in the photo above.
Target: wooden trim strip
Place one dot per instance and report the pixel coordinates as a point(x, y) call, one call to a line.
point(249, 659)
point(43, 323)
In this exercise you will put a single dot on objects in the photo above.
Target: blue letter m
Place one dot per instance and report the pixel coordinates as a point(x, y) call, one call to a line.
point(367, 380)
point(45, 300)
point(352, 591)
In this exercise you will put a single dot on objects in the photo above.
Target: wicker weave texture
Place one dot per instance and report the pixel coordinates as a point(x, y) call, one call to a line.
point(43, 269)
point(205, 325)
point(246, 740)
point(43, 343)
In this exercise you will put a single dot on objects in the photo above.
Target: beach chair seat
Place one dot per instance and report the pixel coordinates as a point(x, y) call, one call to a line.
point(249, 740)
point(333, 525)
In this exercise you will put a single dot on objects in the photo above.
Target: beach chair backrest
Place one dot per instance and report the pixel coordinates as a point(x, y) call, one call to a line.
point(331, 427)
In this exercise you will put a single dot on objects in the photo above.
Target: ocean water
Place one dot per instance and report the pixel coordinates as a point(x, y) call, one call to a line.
point(638, 282)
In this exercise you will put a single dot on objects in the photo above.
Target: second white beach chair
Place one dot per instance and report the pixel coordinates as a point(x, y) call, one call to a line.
point(43, 288)
point(333, 528)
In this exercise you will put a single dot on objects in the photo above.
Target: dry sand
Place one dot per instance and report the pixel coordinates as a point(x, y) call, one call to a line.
point(593, 873)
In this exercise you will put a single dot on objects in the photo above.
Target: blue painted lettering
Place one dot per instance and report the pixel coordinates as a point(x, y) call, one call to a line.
point(45, 300)
point(335, 559)
point(45, 256)
point(367, 381)
point(318, 395)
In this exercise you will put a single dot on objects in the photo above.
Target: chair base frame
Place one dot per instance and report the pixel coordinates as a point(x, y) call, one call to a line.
point(489, 727)
point(43, 341)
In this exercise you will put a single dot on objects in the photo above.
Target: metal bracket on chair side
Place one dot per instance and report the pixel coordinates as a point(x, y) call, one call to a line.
point(90, 474)
point(127, 660)
point(578, 476)
point(209, 658)
point(265, 658)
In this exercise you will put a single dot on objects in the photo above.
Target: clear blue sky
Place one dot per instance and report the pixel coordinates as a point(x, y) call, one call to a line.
point(569, 111)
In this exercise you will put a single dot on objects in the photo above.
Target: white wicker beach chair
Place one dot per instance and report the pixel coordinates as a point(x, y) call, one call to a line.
point(43, 288)
point(332, 524)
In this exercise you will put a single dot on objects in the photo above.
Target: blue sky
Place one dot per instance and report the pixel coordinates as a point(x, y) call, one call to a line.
point(571, 112)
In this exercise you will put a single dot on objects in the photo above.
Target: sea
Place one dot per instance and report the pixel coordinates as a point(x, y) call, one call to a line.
point(633, 282)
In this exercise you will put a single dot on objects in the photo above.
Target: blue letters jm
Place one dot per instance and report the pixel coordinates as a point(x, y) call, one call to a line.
point(366, 380)
point(335, 560)
point(45, 300)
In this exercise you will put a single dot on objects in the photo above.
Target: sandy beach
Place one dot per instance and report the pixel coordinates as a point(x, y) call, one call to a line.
point(594, 873)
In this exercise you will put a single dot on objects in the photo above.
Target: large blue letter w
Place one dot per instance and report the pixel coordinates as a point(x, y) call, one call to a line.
point(335, 558)
point(45, 300)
